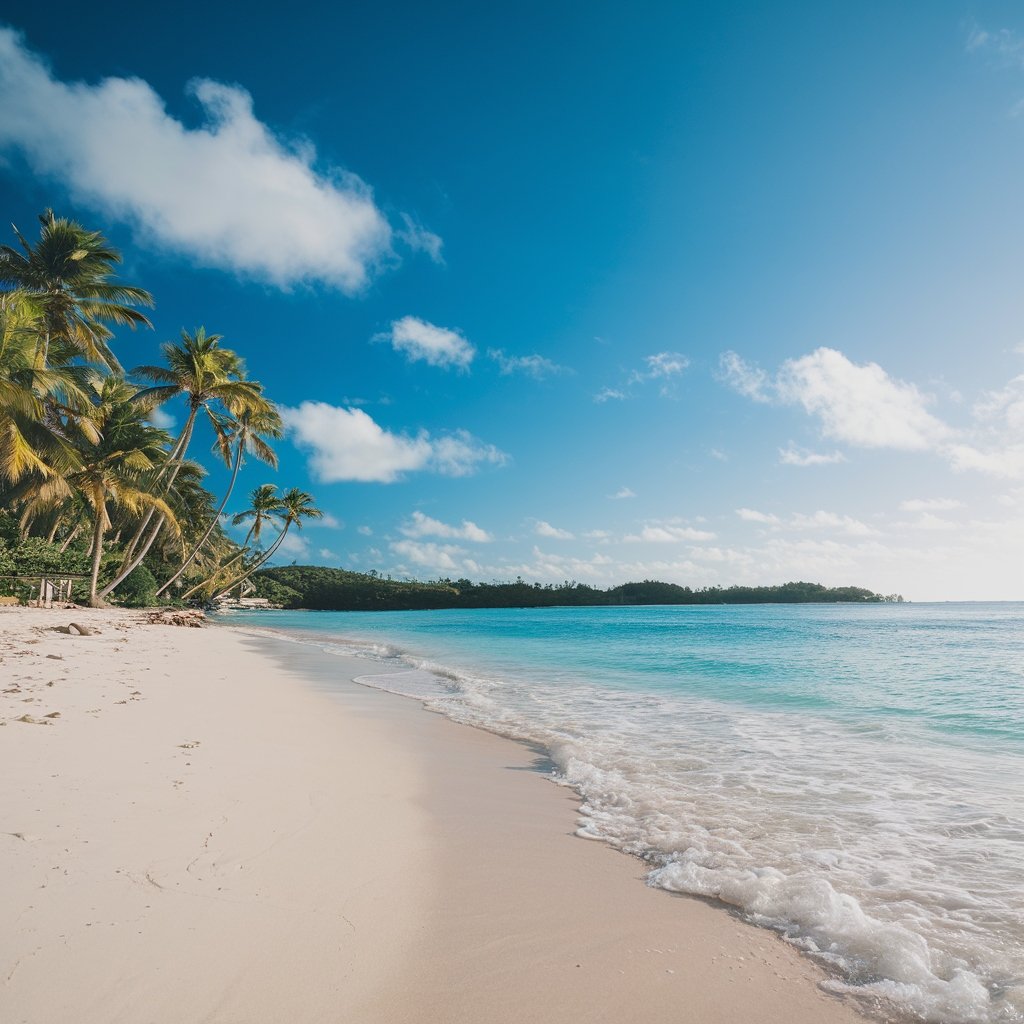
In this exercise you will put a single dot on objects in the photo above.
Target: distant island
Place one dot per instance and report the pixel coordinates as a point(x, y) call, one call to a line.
point(322, 589)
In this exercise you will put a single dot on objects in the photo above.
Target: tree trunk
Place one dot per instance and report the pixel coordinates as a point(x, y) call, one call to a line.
point(69, 538)
point(259, 565)
point(172, 465)
point(97, 554)
point(213, 523)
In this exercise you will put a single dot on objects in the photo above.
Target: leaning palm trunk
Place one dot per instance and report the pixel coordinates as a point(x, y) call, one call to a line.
point(213, 522)
point(213, 576)
point(259, 565)
point(69, 538)
point(172, 466)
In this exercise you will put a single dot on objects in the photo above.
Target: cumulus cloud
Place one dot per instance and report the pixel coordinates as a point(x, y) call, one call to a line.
point(859, 404)
point(159, 417)
point(621, 494)
point(668, 533)
point(862, 405)
point(796, 456)
point(820, 520)
point(752, 515)
point(429, 554)
point(930, 504)
point(348, 444)
point(543, 529)
point(293, 546)
point(535, 366)
point(435, 346)
point(229, 194)
point(928, 521)
point(420, 525)
point(610, 395)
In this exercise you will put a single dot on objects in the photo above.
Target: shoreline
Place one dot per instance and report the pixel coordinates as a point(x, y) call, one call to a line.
point(448, 885)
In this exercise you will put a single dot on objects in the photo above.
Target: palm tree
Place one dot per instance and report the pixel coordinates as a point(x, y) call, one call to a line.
point(296, 505)
point(264, 506)
point(70, 273)
point(209, 376)
point(110, 468)
point(34, 398)
point(246, 434)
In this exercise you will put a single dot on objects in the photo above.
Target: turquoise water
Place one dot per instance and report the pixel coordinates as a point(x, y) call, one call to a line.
point(852, 776)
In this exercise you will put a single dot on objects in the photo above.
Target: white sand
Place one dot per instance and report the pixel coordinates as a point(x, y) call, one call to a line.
point(201, 835)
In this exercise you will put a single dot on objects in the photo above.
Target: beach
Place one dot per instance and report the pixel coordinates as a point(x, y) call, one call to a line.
point(193, 829)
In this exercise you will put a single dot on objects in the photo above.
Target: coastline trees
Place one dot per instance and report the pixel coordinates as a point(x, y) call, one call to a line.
point(84, 471)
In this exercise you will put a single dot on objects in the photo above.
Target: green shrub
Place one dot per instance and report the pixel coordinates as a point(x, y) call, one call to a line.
point(138, 589)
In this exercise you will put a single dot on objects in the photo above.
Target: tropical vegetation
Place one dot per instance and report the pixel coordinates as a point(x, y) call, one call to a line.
point(320, 588)
point(92, 485)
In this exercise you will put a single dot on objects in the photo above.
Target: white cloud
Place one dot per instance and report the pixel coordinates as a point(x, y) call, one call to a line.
point(1003, 44)
point(419, 239)
point(421, 525)
point(598, 535)
point(535, 366)
point(660, 366)
point(329, 522)
point(293, 546)
point(347, 444)
point(229, 194)
point(751, 515)
point(667, 533)
point(543, 529)
point(1005, 462)
point(927, 521)
point(162, 419)
point(796, 456)
point(859, 404)
point(822, 520)
point(819, 520)
point(436, 346)
point(862, 405)
point(622, 493)
point(930, 504)
point(429, 555)
point(327, 553)
point(741, 376)
point(366, 531)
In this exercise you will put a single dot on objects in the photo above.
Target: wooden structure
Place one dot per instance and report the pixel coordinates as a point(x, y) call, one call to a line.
point(40, 591)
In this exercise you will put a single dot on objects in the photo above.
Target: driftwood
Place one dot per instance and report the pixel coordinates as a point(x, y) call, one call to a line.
point(75, 629)
point(190, 617)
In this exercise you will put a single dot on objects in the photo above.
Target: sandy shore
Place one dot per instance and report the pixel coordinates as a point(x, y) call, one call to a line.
point(192, 828)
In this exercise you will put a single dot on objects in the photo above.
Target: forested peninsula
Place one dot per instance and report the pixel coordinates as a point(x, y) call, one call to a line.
point(319, 588)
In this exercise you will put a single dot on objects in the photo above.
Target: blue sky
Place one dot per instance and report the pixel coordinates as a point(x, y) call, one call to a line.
point(708, 293)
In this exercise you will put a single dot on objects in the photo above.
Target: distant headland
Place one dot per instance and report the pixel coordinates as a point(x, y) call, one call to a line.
point(319, 588)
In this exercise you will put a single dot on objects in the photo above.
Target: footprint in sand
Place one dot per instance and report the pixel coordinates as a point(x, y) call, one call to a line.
point(189, 746)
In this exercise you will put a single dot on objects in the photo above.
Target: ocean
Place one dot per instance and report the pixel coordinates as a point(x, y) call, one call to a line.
point(851, 776)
